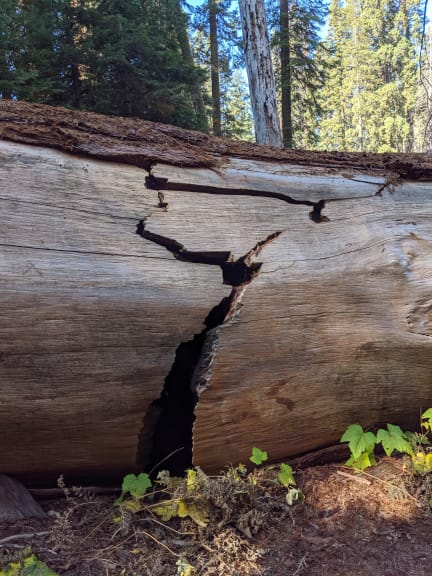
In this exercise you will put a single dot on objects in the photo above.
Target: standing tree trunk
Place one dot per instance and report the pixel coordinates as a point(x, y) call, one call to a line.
point(214, 65)
point(260, 72)
point(285, 58)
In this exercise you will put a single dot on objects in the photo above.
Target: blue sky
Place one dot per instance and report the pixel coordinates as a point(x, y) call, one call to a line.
point(429, 6)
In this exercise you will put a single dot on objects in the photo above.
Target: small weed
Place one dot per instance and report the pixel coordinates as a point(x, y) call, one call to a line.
point(135, 485)
point(258, 456)
point(28, 566)
point(362, 444)
point(238, 498)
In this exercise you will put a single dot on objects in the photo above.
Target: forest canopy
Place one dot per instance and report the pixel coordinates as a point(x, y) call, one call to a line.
point(350, 75)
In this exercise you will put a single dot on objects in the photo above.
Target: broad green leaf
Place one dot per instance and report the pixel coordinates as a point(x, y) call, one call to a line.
point(394, 439)
point(29, 566)
point(135, 485)
point(358, 440)
point(286, 476)
point(258, 456)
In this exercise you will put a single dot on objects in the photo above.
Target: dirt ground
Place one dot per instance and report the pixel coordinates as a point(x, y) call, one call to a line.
point(377, 523)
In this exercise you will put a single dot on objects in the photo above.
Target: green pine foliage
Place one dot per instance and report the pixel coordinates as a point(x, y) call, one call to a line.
point(111, 56)
point(236, 116)
point(237, 122)
point(369, 99)
point(8, 31)
point(306, 67)
point(364, 85)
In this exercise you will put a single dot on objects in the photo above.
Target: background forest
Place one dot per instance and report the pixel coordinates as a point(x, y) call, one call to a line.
point(351, 75)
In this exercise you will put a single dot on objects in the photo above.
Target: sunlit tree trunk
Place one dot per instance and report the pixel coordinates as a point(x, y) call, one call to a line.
point(260, 72)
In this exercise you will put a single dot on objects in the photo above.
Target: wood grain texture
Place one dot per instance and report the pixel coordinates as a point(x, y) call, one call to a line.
point(336, 327)
point(91, 315)
point(16, 502)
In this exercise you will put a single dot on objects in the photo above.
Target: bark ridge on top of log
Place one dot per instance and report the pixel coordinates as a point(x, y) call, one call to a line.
point(143, 143)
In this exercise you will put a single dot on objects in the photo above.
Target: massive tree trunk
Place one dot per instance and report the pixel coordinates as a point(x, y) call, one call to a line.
point(161, 289)
point(259, 67)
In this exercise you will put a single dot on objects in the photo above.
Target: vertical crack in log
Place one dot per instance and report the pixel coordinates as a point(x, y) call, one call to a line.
point(172, 415)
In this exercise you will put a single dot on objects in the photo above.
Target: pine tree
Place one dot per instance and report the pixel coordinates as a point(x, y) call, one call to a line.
point(237, 122)
point(334, 97)
point(136, 63)
point(8, 39)
point(214, 67)
point(217, 50)
point(36, 54)
point(187, 55)
point(125, 57)
point(423, 108)
point(372, 60)
point(301, 70)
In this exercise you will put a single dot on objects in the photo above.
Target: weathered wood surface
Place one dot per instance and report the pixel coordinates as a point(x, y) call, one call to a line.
point(335, 328)
point(91, 314)
point(16, 502)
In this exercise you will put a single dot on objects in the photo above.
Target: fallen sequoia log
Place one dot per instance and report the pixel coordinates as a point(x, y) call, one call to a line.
point(161, 289)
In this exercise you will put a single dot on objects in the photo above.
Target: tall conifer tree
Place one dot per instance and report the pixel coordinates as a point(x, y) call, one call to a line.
point(113, 56)
point(373, 59)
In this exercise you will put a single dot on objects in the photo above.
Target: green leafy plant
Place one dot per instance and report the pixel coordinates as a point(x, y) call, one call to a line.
point(28, 566)
point(135, 485)
point(285, 476)
point(258, 456)
point(394, 439)
point(362, 444)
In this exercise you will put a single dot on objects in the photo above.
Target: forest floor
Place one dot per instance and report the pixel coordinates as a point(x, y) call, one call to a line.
point(377, 523)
